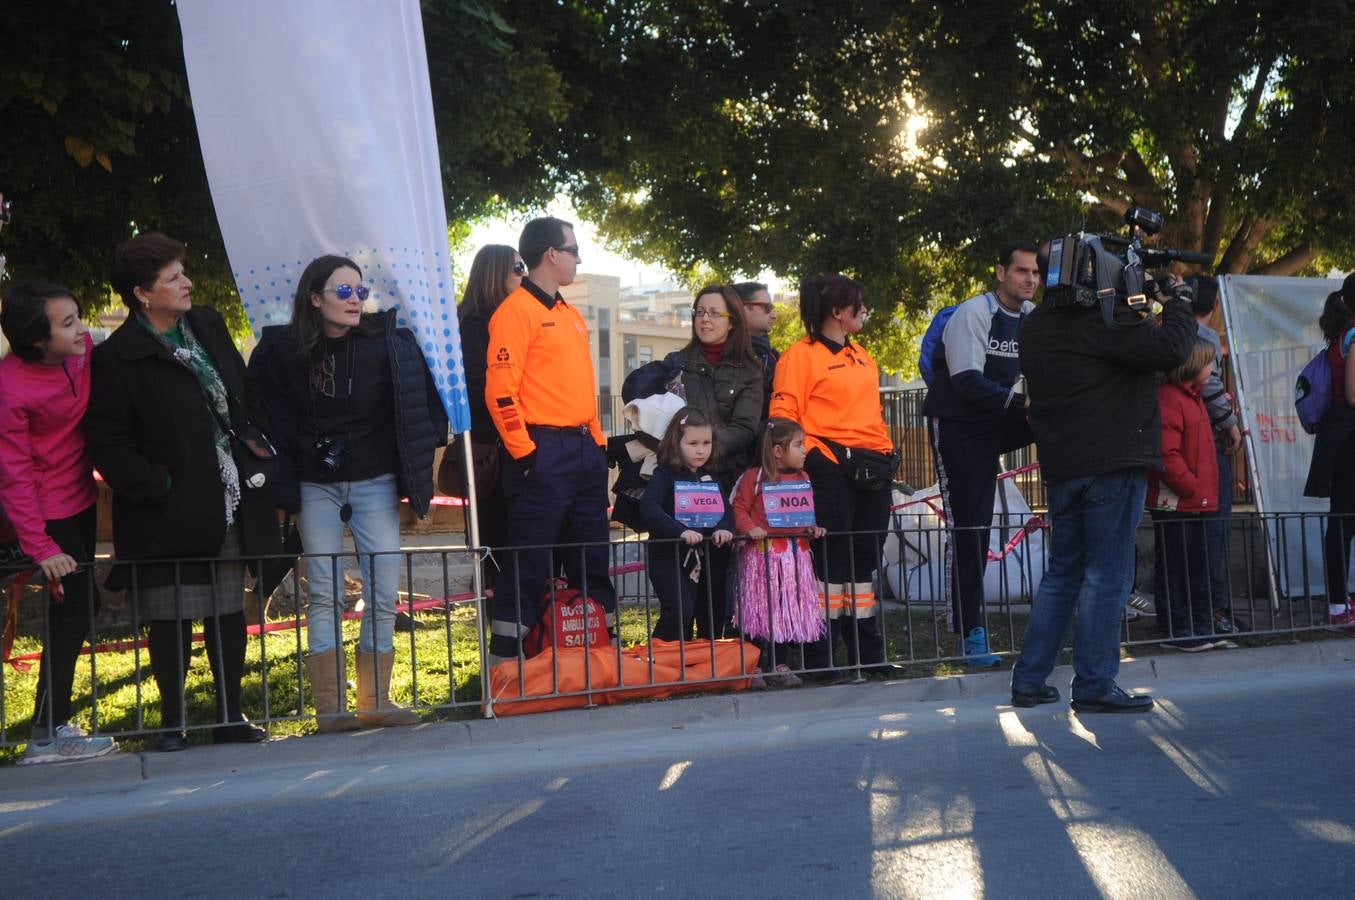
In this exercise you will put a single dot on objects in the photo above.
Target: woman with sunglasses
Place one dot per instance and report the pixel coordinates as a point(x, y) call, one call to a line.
point(168, 389)
point(496, 272)
point(358, 419)
point(718, 374)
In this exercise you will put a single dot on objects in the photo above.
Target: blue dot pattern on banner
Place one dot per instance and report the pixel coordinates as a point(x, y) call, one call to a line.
point(422, 292)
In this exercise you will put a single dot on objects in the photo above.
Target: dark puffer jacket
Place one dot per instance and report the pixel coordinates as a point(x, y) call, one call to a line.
point(420, 419)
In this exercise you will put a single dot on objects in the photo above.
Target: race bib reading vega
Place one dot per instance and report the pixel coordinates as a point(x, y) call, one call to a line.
point(698, 504)
point(788, 504)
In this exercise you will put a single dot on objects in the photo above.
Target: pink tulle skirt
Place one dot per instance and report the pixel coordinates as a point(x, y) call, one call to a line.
point(778, 592)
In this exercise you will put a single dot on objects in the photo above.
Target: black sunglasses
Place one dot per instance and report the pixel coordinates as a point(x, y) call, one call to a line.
point(519, 267)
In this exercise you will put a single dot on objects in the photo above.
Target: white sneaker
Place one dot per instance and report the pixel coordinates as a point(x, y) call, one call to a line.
point(71, 744)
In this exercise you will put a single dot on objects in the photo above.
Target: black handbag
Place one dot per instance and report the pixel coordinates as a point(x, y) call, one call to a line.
point(866, 470)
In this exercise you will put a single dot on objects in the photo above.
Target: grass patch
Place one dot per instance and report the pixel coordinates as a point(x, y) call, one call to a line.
point(446, 682)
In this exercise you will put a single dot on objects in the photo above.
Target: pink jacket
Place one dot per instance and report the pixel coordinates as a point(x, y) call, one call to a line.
point(45, 473)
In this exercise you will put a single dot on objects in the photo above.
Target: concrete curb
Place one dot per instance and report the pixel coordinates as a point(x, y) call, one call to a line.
point(317, 751)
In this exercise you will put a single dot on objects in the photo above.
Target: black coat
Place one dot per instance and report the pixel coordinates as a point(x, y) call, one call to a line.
point(1093, 390)
point(152, 436)
point(420, 419)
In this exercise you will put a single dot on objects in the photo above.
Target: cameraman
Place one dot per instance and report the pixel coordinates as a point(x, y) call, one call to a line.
point(1093, 409)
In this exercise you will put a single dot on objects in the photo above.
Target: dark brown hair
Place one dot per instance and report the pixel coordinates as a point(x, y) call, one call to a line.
point(138, 261)
point(307, 325)
point(778, 433)
point(1336, 318)
point(489, 273)
point(738, 343)
point(669, 454)
point(23, 316)
point(821, 297)
point(540, 235)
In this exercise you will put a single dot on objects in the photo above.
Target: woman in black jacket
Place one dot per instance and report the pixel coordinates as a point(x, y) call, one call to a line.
point(167, 387)
point(358, 419)
point(494, 274)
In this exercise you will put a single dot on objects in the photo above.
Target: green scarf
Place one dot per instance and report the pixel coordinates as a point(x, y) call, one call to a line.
point(183, 345)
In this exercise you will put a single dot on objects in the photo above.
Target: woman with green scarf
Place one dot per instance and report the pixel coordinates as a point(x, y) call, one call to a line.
point(169, 388)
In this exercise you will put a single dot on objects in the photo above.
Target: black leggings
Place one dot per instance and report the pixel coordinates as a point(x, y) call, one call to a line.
point(1340, 526)
point(171, 646)
point(66, 624)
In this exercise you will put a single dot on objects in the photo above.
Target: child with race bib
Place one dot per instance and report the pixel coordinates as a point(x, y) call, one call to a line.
point(778, 591)
point(683, 501)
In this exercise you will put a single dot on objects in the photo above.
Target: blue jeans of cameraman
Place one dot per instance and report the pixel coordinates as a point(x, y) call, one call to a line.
point(1091, 567)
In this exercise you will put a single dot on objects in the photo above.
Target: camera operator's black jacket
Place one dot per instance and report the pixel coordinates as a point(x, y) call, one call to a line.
point(420, 420)
point(1093, 390)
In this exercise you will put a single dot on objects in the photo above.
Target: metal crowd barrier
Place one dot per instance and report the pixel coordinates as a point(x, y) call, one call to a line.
point(441, 627)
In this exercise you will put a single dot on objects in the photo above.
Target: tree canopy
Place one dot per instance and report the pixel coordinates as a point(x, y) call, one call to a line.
point(900, 143)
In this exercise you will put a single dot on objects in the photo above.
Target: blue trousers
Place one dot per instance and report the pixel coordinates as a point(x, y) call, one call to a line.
point(561, 500)
point(1091, 567)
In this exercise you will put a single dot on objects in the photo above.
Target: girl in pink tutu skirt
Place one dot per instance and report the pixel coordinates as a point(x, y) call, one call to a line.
point(778, 603)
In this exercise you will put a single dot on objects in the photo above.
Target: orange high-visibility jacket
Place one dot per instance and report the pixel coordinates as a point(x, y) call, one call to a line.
point(540, 370)
point(831, 393)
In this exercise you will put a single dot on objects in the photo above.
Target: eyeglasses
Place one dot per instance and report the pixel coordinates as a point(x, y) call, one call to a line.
point(572, 250)
point(756, 304)
point(519, 267)
point(344, 291)
point(700, 313)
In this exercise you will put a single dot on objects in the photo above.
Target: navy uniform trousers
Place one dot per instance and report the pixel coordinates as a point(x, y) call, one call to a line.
point(561, 500)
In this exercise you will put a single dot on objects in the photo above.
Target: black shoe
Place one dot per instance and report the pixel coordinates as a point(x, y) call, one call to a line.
point(1114, 701)
point(171, 741)
point(884, 672)
point(832, 676)
point(238, 733)
point(1226, 623)
point(1027, 699)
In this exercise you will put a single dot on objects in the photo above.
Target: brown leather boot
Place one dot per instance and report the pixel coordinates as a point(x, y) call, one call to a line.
point(375, 707)
point(331, 702)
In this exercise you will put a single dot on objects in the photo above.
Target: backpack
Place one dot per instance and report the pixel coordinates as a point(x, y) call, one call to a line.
point(568, 619)
point(1312, 391)
point(932, 344)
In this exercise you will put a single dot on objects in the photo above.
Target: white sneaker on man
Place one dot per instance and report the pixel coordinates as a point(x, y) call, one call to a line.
point(70, 744)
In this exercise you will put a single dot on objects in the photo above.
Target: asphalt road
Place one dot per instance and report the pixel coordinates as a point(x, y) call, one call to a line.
point(1236, 786)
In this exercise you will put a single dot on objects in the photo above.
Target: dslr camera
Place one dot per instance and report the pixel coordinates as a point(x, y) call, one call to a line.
point(1112, 272)
point(332, 452)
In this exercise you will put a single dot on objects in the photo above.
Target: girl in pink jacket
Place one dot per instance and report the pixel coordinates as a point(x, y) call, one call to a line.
point(47, 491)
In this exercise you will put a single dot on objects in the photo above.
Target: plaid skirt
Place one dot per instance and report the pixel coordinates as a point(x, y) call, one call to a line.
point(198, 601)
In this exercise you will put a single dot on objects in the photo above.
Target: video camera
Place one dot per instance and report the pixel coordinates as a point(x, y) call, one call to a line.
point(1110, 272)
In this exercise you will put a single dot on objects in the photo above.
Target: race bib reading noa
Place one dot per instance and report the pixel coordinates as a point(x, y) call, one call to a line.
point(788, 504)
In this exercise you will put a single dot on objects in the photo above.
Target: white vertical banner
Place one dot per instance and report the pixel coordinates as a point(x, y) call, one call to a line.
point(1272, 333)
point(316, 124)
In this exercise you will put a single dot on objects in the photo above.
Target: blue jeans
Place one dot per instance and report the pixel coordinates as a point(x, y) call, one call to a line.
point(1091, 569)
point(376, 530)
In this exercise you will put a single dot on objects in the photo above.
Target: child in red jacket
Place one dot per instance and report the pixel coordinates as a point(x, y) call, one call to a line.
point(1180, 498)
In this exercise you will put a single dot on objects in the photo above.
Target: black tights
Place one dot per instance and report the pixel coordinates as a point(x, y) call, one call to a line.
point(171, 646)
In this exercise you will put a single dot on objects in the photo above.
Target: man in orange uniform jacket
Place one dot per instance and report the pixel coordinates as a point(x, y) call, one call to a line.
point(542, 396)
